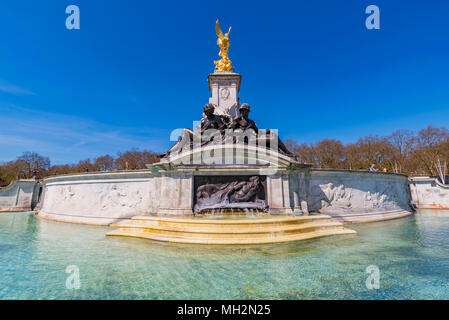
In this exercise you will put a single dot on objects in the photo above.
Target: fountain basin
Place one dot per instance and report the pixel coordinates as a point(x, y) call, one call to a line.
point(111, 197)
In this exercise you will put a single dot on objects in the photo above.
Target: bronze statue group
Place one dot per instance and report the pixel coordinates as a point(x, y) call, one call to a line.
point(211, 123)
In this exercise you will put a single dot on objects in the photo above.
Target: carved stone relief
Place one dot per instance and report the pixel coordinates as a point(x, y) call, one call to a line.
point(222, 192)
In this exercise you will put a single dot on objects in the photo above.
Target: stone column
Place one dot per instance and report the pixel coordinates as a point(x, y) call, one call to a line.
point(304, 190)
point(185, 203)
point(176, 194)
point(278, 194)
point(224, 87)
point(294, 187)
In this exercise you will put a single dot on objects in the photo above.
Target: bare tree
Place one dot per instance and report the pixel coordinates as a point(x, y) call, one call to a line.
point(403, 142)
point(32, 164)
point(104, 163)
point(431, 146)
point(329, 153)
point(135, 159)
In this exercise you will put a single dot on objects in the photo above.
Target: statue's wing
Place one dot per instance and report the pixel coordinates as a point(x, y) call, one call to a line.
point(218, 30)
point(227, 34)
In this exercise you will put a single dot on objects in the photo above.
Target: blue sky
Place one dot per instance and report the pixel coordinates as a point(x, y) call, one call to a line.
point(136, 70)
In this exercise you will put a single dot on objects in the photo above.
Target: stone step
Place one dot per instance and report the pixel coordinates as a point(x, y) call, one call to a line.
point(221, 222)
point(371, 217)
point(219, 229)
point(229, 231)
point(233, 241)
point(229, 235)
point(271, 218)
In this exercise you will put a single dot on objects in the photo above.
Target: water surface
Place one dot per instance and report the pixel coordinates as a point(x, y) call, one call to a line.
point(412, 255)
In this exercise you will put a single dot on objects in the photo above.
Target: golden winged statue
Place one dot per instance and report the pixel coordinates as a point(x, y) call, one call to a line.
point(223, 42)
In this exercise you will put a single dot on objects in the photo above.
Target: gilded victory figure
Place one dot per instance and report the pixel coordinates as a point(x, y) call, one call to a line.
point(223, 42)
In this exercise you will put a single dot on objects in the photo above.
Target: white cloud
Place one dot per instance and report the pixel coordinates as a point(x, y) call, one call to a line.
point(13, 89)
point(68, 139)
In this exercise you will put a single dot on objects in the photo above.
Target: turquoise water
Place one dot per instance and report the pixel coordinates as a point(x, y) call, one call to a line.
point(412, 255)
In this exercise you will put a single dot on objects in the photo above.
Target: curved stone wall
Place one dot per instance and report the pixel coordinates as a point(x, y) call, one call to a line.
point(20, 195)
point(429, 193)
point(100, 198)
point(105, 198)
point(358, 196)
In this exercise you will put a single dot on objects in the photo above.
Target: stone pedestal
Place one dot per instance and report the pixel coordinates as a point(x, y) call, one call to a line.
point(224, 87)
point(278, 194)
point(176, 194)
